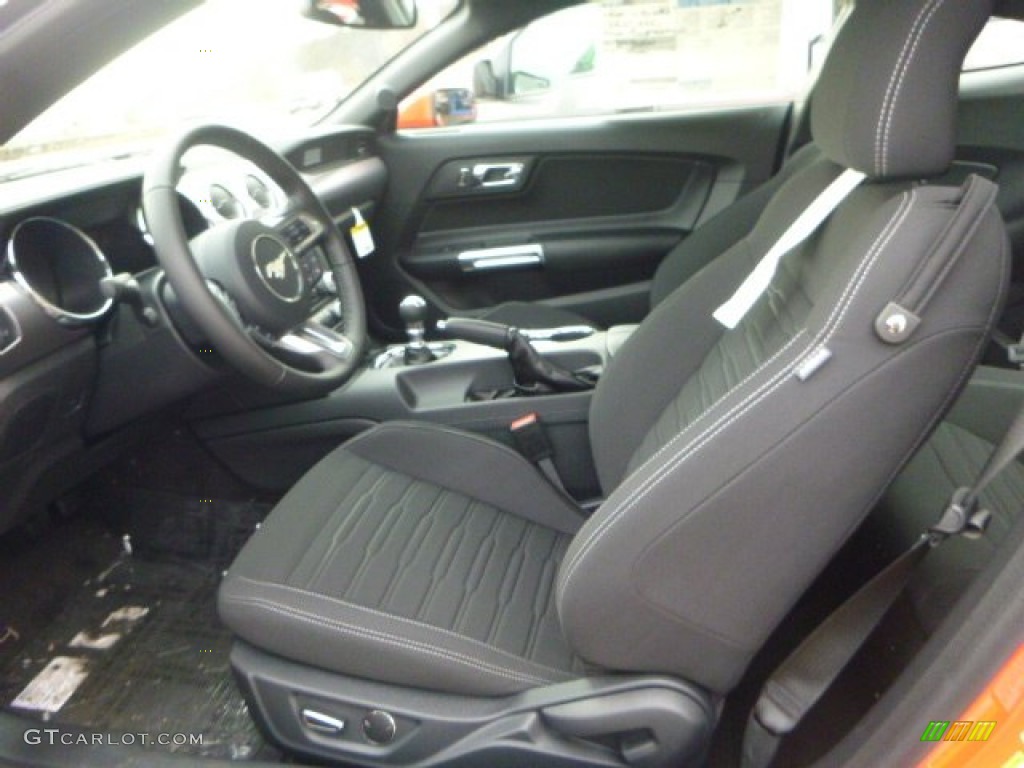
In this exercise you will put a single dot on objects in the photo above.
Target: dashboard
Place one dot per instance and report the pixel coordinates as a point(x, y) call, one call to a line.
point(90, 335)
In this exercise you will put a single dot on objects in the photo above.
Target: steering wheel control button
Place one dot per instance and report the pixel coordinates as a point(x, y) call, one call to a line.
point(379, 727)
point(297, 231)
point(277, 268)
point(321, 723)
point(312, 267)
point(301, 232)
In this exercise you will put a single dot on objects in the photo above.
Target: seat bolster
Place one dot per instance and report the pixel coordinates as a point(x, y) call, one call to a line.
point(472, 465)
point(342, 636)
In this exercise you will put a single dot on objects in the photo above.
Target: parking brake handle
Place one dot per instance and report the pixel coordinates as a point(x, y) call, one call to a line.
point(533, 373)
point(476, 331)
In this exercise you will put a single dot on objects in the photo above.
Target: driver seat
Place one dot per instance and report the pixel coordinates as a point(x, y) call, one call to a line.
point(424, 595)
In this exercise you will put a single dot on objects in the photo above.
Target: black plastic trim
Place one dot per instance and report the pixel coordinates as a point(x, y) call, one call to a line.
point(434, 729)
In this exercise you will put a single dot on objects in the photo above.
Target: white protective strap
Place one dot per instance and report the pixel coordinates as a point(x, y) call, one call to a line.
point(735, 309)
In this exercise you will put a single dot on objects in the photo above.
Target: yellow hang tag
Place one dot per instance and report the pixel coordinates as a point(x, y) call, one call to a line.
point(362, 237)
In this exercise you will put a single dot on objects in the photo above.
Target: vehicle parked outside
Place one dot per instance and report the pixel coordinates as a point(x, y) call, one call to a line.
point(606, 57)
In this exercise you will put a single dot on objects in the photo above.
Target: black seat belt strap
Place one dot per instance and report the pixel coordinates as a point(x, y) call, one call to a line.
point(807, 673)
point(810, 670)
point(532, 442)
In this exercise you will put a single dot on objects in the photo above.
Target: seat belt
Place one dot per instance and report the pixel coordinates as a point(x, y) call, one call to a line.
point(532, 442)
point(1012, 344)
point(806, 224)
point(808, 672)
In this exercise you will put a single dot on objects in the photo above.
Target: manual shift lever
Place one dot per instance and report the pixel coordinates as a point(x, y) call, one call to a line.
point(533, 373)
point(413, 311)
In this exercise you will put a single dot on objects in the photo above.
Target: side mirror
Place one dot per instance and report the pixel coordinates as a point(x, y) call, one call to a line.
point(485, 82)
point(364, 14)
point(445, 106)
point(525, 84)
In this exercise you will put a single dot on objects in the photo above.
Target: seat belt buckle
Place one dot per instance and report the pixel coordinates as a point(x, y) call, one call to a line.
point(532, 442)
point(962, 517)
point(1015, 353)
point(530, 438)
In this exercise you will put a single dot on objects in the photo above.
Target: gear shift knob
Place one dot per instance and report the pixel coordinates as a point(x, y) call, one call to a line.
point(413, 311)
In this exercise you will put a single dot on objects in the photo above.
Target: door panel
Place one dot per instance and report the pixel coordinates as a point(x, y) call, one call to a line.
point(580, 223)
point(568, 187)
point(579, 214)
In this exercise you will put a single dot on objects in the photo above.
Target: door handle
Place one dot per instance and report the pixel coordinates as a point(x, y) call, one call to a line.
point(491, 175)
point(507, 257)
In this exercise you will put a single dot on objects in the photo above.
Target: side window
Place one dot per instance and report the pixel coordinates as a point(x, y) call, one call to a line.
point(613, 56)
point(1000, 44)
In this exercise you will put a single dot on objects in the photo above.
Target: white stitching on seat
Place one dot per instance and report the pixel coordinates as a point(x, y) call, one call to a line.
point(828, 329)
point(892, 92)
point(887, 99)
point(689, 427)
point(766, 364)
point(830, 325)
point(390, 639)
point(609, 521)
point(404, 620)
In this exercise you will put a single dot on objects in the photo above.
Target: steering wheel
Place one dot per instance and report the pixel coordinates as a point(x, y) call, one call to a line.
point(246, 283)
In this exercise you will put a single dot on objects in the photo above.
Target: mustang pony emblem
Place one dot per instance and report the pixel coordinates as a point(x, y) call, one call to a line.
point(276, 269)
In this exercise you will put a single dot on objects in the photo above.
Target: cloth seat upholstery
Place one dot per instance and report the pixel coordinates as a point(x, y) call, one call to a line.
point(734, 462)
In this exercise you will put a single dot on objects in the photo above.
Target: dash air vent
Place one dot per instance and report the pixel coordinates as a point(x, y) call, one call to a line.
point(224, 202)
point(258, 191)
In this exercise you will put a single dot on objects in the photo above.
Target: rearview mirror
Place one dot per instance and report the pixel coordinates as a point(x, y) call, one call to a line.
point(364, 14)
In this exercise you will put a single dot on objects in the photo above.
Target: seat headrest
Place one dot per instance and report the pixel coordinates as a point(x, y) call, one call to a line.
point(885, 103)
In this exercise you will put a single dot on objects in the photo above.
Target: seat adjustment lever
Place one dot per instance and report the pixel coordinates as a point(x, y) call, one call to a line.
point(321, 723)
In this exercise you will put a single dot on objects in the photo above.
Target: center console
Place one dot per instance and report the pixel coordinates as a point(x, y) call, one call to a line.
point(452, 382)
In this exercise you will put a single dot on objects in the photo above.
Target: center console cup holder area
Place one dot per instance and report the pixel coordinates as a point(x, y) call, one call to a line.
point(478, 371)
point(474, 374)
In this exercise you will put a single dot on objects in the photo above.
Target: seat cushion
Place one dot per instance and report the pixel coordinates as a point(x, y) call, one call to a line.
point(443, 583)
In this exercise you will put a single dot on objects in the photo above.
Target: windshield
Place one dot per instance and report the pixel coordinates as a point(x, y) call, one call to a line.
point(261, 66)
